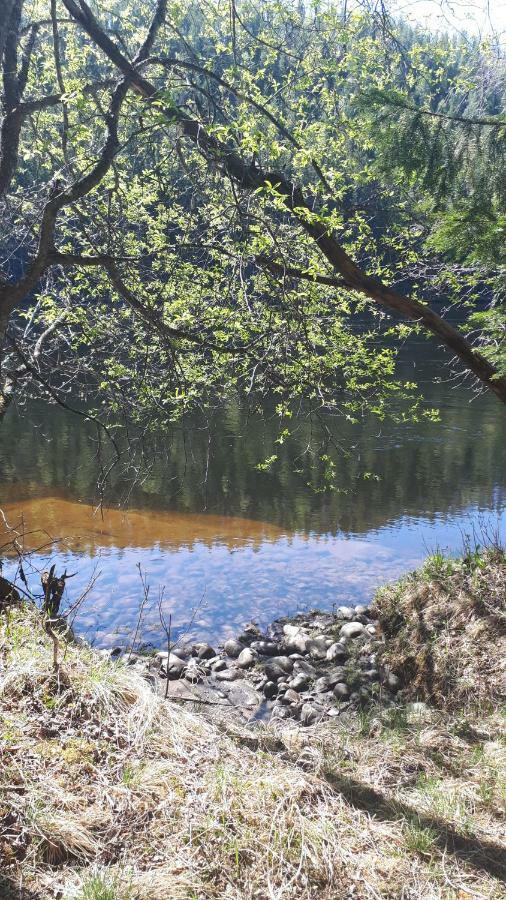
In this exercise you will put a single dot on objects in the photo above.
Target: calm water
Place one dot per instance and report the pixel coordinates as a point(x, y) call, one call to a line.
point(227, 543)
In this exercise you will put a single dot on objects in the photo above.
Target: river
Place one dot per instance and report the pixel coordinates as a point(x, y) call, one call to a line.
point(223, 542)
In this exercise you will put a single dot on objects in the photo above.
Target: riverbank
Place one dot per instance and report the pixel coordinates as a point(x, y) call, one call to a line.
point(109, 792)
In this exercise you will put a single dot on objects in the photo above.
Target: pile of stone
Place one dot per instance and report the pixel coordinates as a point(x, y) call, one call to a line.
point(304, 668)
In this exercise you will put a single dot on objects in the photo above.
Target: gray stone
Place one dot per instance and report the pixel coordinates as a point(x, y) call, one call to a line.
point(335, 675)
point(291, 696)
point(322, 684)
point(341, 691)
point(231, 674)
point(282, 686)
point(298, 643)
point(265, 648)
point(299, 683)
point(291, 630)
point(345, 612)
point(336, 652)
point(232, 648)
point(173, 666)
point(305, 668)
point(281, 712)
point(274, 671)
point(284, 662)
point(203, 651)
point(246, 658)
point(270, 689)
point(219, 665)
point(317, 648)
point(361, 610)
point(351, 630)
point(333, 712)
point(370, 630)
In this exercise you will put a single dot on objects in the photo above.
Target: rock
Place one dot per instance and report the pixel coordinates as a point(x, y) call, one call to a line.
point(336, 652)
point(231, 674)
point(305, 668)
point(333, 711)
point(370, 630)
point(345, 612)
point(281, 712)
point(233, 648)
point(265, 648)
point(251, 633)
point(173, 666)
point(341, 691)
point(291, 696)
point(270, 689)
point(299, 683)
point(203, 651)
point(282, 686)
point(317, 648)
point(283, 662)
point(274, 671)
point(219, 665)
point(351, 630)
point(246, 658)
point(291, 630)
point(298, 643)
point(322, 684)
point(361, 610)
point(336, 675)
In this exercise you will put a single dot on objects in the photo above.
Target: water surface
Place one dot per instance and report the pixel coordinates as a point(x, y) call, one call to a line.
point(225, 543)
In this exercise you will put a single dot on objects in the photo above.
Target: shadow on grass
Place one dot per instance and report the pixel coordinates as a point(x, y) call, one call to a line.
point(11, 888)
point(481, 854)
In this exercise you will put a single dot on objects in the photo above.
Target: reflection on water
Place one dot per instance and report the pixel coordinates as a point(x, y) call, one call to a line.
point(234, 543)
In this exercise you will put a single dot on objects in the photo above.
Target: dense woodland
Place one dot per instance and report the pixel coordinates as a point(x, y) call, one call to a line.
point(201, 200)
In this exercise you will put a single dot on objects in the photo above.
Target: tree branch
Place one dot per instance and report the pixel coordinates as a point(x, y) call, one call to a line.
point(253, 178)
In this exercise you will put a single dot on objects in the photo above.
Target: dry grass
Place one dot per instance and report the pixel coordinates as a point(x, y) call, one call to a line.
point(446, 630)
point(108, 793)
